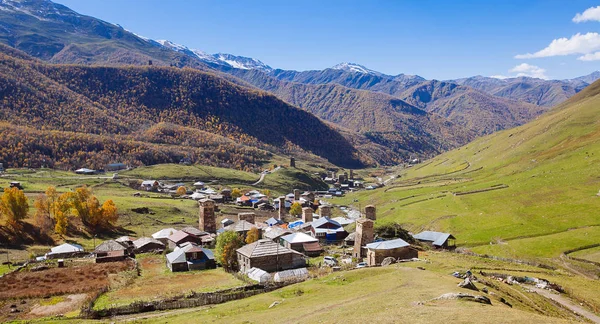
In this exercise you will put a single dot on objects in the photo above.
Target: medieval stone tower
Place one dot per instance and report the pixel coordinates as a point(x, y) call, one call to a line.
point(325, 211)
point(364, 236)
point(307, 215)
point(207, 221)
point(281, 207)
point(370, 212)
point(248, 217)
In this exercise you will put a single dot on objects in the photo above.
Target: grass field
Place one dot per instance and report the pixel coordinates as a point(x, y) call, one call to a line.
point(592, 254)
point(165, 211)
point(383, 295)
point(530, 191)
point(157, 282)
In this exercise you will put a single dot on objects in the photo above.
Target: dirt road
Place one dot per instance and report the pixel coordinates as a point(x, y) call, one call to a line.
point(567, 304)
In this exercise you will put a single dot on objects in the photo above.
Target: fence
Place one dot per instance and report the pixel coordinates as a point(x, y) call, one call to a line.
point(191, 300)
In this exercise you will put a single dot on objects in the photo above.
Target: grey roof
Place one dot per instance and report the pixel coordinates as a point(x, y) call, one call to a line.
point(125, 239)
point(437, 238)
point(274, 232)
point(146, 240)
point(194, 231)
point(324, 220)
point(300, 273)
point(258, 275)
point(164, 233)
point(264, 247)
point(387, 245)
point(66, 248)
point(177, 256)
point(110, 245)
point(240, 226)
point(350, 237)
point(299, 238)
point(273, 221)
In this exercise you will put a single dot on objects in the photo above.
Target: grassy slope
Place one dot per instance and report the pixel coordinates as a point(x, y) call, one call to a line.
point(550, 166)
point(382, 295)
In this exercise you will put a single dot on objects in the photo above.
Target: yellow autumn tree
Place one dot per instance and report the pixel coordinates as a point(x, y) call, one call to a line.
point(296, 209)
point(42, 216)
point(109, 213)
point(62, 223)
point(236, 193)
point(13, 207)
point(252, 235)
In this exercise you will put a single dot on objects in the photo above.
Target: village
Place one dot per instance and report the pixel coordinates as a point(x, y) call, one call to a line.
point(247, 236)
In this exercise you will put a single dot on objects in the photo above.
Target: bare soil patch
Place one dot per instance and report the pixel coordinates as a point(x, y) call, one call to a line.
point(60, 281)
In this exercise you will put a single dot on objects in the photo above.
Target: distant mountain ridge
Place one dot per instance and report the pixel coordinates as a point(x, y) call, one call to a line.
point(393, 115)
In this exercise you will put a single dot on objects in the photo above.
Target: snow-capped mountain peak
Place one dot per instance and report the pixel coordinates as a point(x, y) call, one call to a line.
point(353, 67)
point(241, 62)
point(222, 59)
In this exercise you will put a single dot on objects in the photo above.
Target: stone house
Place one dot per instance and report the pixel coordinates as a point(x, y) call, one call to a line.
point(269, 256)
point(398, 249)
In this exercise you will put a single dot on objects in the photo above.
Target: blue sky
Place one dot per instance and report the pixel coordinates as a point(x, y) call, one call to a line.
point(435, 39)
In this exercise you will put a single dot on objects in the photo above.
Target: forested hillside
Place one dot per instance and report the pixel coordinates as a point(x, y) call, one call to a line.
point(199, 113)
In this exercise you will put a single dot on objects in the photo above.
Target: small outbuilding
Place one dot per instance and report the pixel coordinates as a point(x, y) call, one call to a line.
point(66, 250)
point(397, 249)
point(190, 257)
point(437, 239)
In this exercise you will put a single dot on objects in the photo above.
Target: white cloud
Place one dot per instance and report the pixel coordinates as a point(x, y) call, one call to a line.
point(524, 70)
point(577, 44)
point(590, 14)
point(529, 70)
point(590, 57)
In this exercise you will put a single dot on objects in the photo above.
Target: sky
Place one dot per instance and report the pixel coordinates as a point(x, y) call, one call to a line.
point(553, 39)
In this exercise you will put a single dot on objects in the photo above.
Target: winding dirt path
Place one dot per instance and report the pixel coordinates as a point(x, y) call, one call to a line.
point(567, 304)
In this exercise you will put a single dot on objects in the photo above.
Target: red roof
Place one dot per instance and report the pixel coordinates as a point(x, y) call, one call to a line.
point(312, 247)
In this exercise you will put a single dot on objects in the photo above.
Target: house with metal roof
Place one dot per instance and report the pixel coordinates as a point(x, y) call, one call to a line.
point(273, 221)
point(437, 239)
point(163, 235)
point(241, 227)
point(147, 244)
point(301, 242)
point(179, 237)
point(66, 250)
point(269, 256)
point(328, 230)
point(190, 257)
point(112, 251)
point(275, 232)
point(397, 249)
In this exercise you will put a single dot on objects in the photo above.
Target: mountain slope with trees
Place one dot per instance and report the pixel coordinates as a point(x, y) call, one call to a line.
point(111, 105)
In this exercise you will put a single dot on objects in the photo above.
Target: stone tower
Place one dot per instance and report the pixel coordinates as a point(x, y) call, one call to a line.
point(248, 217)
point(370, 212)
point(364, 236)
point(307, 215)
point(296, 194)
point(281, 207)
point(325, 211)
point(352, 174)
point(207, 221)
point(292, 162)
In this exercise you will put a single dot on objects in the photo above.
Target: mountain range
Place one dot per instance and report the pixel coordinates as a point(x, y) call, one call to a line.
point(386, 118)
